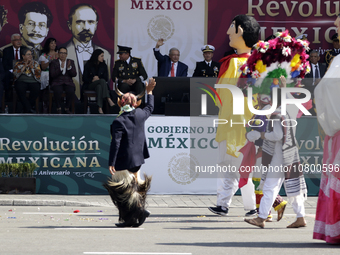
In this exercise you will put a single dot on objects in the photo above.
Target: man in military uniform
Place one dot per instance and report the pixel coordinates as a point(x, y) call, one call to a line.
point(207, 68)
point(129, 71)
point(330, 54)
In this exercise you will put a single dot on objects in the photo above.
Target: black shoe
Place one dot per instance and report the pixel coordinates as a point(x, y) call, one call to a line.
point(124, 225)
point(251, 213)
point(142, 219)
point(219, 210)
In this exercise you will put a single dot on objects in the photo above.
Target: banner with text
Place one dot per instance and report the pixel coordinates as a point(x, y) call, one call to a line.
point(72, 152)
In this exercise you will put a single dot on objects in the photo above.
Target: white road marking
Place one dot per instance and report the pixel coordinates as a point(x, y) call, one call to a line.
point(39, 213)
point(307, 214)
point(113, 228)
point(139, 253)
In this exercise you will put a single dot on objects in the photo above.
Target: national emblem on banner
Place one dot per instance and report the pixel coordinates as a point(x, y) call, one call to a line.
point(161, 26)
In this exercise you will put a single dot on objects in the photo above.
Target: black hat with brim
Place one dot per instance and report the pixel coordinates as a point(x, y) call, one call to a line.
point(123, 49)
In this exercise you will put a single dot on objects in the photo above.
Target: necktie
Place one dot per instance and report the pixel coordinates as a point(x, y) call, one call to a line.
point(317, 75)
point(172, 70)
point(16, 54)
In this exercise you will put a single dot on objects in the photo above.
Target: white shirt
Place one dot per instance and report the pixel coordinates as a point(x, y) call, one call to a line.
point(313, 66)
point(83, 52)
point(63, 70)
point(15, 52)
point(128, 60)
point(14, 49)
point(208, 63)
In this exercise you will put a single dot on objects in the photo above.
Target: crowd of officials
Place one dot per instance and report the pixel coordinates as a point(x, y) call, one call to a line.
point(31, 76)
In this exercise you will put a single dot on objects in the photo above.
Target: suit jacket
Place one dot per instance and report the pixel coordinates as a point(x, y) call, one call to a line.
point(164, 65)
point(133, 70)
point(203, 70)
point(308, 80)
point(57, 78)
point(8, 57)
point(7, 61)
point(128, 145)
point(72, 54)
point(90, 71)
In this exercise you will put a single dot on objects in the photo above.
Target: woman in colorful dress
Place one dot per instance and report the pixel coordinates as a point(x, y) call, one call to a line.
point(327, 219)
point(27, 74)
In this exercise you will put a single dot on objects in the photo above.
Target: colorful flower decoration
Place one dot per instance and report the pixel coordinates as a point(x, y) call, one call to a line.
point(283, 55)
point(286, 51)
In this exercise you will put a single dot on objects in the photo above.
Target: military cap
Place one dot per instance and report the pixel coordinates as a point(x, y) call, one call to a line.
point(335, 37)
point(208, 48)
point(123, 49)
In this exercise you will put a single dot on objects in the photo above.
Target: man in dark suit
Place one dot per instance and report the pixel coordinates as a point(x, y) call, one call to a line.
point(207, 68)
point(312, 79)
point(169, 66)
point(129, 71)
point(318, 70)
point(62, 70)
point(128, 151)
point(330, 54)
point(10, 54)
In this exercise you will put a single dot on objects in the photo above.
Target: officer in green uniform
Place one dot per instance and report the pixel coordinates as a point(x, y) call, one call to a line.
point(129, 71)
point(330, 54)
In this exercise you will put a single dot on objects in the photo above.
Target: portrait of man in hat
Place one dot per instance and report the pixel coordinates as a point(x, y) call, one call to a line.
point(207, 68)
point(129, 71)
point(330, 54)
point(83, 21)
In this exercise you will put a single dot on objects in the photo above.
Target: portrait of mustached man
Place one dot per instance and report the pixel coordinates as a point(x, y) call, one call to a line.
point(82, 22)
point(35, 18)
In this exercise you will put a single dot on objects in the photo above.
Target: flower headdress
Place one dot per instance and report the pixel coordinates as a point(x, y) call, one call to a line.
point(283, 55)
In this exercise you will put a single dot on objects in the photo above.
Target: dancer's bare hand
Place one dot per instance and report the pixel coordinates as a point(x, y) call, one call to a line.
point(283, 82)
point(150, 85)
point(112, 170)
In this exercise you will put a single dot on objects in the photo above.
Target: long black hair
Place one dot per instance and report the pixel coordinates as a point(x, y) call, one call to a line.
point(95, 55)
point(46, 48)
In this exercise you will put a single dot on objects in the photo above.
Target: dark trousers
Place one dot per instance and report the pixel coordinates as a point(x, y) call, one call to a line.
point(135, 88)
point(102, 91)
point(21, 88)
point(58, 91)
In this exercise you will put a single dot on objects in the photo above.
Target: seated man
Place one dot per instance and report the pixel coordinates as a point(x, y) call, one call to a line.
point(10, 54)
point(169, 66)
point(129, 71)
point(61, 72)
point(207, 68)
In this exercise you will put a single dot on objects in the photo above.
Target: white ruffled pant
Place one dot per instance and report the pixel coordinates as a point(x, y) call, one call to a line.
point(227, 183)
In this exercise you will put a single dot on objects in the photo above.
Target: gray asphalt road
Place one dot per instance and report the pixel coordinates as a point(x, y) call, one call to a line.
point(57, 230)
